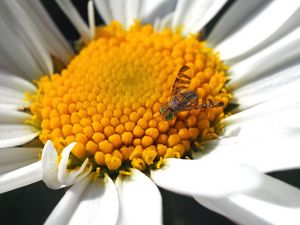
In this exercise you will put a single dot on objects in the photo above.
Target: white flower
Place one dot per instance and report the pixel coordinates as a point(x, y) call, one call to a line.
point(260, 42)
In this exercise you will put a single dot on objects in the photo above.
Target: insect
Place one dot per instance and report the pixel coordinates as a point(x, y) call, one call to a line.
point(183, 99)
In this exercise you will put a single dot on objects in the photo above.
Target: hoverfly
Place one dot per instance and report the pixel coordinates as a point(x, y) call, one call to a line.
point(183, 99)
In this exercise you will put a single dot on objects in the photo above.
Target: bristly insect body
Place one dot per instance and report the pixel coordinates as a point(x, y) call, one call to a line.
point(183, 99)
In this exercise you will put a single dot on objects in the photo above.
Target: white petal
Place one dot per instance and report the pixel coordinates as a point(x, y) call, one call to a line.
point(20, 177)
point(67, 205)
point(22, 63)
point(152, 10)
point(266, 60)
point(268, 132)
point(278, 84)
point(14, 82)
point(135, 191)
point(87, 202)
point(5, 62)
point(186, 12)
point(12, 92)
point(274, 202)
point(264, 136)
point(55, 172)
point(104, 10)
point(15, 158)
point(67, 177)
point(194, 14)
point(91, 18)
point(264, 150)
point(287, 102)
point(14, 135)
point(118, 11)
point(257, 30)
point(22, 25)
point(209, 13)
point(75, 18)
point(132, 12)
point(163, 23)
point(207, 177)
point(233, 18)
point(13, 117)
point(50, 166)
point(126, 12)
point(100, 198)
point(12, 103)
point(53, 39)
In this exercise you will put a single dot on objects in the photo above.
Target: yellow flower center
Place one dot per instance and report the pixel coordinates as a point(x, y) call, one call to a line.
point(108, 99)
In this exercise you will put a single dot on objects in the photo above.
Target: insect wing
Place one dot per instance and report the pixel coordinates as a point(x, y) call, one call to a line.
point(181, 81)
point(205, 105)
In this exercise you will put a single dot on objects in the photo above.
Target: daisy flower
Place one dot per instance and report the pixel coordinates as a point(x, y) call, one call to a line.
point(145, 103)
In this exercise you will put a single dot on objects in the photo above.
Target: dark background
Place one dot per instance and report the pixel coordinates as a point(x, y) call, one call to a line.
point(32, 204)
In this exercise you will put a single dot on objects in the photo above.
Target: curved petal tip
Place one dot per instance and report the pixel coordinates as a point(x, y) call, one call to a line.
point(55, 172)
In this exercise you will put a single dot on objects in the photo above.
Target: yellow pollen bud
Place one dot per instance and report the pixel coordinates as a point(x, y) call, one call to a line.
point(173, 140)
point(138, 163)
point(106, 146)
point(149, 155)
point(112, 162)
point(115, 139)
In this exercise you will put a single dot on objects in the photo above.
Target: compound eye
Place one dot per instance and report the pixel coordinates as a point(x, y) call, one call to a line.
point(169, 116)
point(162, 110)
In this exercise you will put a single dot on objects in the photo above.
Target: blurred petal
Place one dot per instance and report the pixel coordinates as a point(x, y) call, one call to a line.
point(258, 29)
point(126, 12)
point(22, 63)
point(135, 191)
point(132, 12)
point(152, 10)
point(165, 22)
point(11, 104)
point(14, 82)
point(287, 102)
point(69, 9)
point(207, 177)
point(211, 11)
point(15, 158)
point(13, 117)
point(12, 92)
point(91, 18)
point(118, 10)
point(19, 22)
point(87, 202)
point(266, 60)
point(264, 154)
point(14, 135)
point(233, 18)
point(274, 202)
point(267, 132)
point(20, 177)
point(194, 14)
point(104, 10)
point(272, 86)
point(52, 37)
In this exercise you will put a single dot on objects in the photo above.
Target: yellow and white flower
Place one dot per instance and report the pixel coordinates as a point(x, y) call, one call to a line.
point(98, 119)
